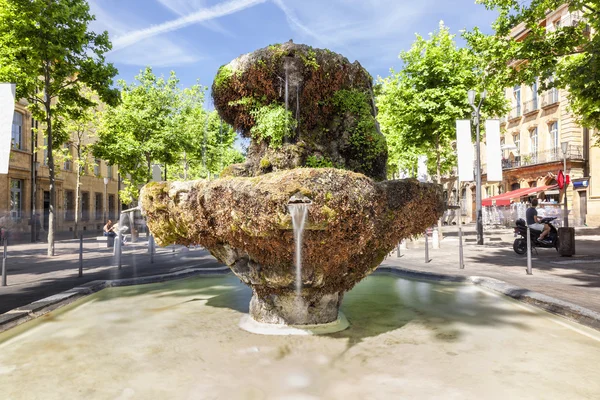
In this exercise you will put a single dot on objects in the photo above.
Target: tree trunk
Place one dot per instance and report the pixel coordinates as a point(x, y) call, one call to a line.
point(51, 215)
point(439, 181)
point(78, 190)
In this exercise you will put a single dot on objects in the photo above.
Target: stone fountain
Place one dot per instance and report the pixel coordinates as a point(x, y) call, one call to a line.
point(314, 139)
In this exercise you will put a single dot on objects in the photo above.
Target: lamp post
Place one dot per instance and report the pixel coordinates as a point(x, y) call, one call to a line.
point(106, 180)
point(476, 119)
point(565, 148)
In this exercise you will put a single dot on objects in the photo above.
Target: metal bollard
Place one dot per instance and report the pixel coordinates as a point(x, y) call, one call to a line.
point(426, 247)
point(118, 249)
point(529, 272)
point(398, 253)
point(80, 255)
point(151, 248)
point(461, 259)
point(4, 262)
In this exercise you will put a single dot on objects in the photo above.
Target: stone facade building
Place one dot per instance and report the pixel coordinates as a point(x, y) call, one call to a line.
point(532, 137)
point(25, 190)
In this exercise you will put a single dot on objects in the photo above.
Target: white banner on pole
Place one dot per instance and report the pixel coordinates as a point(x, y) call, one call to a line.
point(422, 175)
point(464, 149)
point(494, 152)
point(7, 112)
point(156, 173)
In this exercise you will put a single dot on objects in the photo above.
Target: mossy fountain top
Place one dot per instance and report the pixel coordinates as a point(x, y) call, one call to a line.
point(301, 106)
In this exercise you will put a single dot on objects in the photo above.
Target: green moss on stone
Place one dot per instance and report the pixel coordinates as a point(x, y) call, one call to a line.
point(265, 163)
point(317, 161)
point(367, 143)
point(224, 74)
point(272, 123)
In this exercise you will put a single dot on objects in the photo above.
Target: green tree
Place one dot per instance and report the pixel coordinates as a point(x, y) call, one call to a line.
point(48, 51)
point(81, 125)
point(208, 148)
point(418, 106)
point(566, 56)
point(141, 130)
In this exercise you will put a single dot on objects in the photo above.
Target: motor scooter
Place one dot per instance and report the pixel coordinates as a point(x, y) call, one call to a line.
point(549, 242)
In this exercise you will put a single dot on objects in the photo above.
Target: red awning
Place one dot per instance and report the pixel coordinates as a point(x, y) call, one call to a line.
point(505, 199)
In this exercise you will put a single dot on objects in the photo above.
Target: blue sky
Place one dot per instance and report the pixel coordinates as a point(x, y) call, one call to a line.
point(195, 37)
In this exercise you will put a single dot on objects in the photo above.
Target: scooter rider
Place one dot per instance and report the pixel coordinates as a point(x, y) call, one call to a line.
point(533, 221)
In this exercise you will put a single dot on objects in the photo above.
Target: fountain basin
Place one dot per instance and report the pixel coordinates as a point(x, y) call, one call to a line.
point(353, 223)
point(408, 339)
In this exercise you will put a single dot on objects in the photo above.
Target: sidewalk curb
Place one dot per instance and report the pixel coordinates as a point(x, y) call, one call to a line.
point(573, 312)
point(43, 306)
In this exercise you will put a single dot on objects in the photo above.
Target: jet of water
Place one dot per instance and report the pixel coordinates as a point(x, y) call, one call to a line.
point(299, 213)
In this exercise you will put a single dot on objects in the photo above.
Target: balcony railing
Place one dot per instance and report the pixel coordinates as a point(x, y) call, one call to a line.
point(541, 157)
point(550, 97)
point(515, 113)
point(530, 105)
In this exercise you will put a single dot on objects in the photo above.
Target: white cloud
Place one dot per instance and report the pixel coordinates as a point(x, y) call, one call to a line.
point(155, 52)
point(158, 52)
point(205, 14)
point(183, 7)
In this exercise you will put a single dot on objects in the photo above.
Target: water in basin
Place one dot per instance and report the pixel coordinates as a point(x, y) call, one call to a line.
point(407, 339)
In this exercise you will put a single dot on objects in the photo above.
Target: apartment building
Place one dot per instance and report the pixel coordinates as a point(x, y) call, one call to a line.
point(533, 134)
point(26, 188)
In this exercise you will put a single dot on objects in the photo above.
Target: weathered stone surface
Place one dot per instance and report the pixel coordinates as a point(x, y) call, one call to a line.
point(353, 223)
point(330, 98)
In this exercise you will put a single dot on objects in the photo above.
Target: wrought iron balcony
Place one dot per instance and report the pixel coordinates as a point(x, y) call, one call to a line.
point(515, 113)
point(550, 97)
point(530, 106)
point(541, 157)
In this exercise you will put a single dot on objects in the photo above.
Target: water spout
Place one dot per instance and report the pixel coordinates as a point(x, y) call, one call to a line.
point(299, 213)
point(286, 87)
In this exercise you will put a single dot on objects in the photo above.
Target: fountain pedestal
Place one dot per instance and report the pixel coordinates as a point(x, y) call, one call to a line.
point(290, 309)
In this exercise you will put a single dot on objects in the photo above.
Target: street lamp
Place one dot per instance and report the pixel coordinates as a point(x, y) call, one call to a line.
point(565, 148)
point(106, 180)
point(476, 119)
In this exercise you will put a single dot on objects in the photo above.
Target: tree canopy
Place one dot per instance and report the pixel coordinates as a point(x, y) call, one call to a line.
point(48, 51)
point(157, 122)
point(418, 105)
point(565, 55)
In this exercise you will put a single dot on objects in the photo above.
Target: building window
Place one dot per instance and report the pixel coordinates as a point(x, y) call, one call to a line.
point(69, 205)
point(85, 206)
point(16, 198)
point(98, 205)
point(554, 136)
point(517, 93)
point(534, 143)
point(17, 131)
point(517, 141)
point(97, 167)
point(67, 164)
point(111, 207)
point(109, 171)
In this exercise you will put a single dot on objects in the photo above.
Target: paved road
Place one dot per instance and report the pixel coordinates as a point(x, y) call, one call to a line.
point(32, 275)
point(575, 279)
